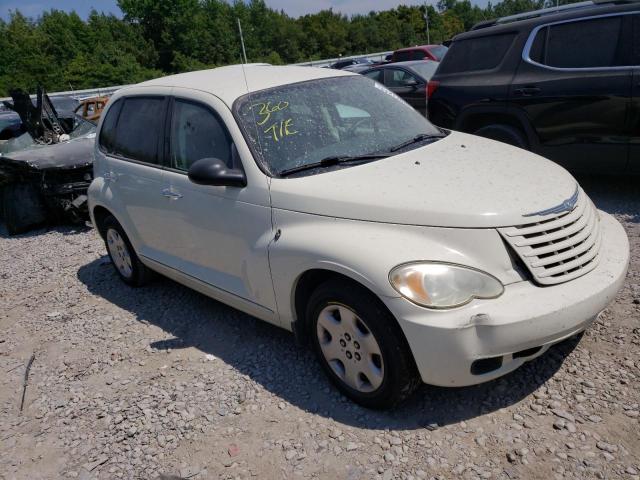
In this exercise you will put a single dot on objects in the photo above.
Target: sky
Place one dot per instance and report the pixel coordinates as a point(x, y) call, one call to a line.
point(295, 8)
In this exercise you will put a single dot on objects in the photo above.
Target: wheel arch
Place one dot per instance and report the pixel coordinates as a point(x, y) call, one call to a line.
point(473, 119)
point(306, 283)
point(99, 214)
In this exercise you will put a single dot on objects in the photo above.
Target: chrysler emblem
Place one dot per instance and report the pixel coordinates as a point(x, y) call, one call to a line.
point(566, 206)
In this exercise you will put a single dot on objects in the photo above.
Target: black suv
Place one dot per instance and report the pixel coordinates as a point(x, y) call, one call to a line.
point(562, 82)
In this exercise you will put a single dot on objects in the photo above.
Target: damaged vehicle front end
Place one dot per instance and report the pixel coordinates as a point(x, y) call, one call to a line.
point(44, 176)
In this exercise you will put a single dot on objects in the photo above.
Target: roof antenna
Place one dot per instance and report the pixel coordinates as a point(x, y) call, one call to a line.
point(244, 52)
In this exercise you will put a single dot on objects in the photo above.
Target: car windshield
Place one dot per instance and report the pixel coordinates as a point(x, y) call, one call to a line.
point(439, 52)
point(303, 123)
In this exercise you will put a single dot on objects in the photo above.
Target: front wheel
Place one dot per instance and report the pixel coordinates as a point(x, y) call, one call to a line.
point(360, 345)
point(124, 258)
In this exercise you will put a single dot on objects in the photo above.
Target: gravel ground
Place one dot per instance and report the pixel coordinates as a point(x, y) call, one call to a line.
point(163, 381)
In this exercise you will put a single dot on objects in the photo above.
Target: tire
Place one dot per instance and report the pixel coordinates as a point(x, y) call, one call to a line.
point(123, 257)
point(355, 318)
point(22, 207)
point(505, 134)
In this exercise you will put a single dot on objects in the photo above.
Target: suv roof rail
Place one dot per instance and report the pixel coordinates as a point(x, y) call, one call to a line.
point(545, 11)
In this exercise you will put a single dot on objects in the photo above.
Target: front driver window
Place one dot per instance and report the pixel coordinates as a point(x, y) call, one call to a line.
point(196, 132)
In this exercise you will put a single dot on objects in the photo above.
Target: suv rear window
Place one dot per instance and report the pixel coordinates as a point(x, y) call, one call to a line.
point(580, 44)
point(482, 53)
point(403, 56)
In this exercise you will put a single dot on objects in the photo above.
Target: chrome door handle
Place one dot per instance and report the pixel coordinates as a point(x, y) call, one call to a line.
point(167, 192)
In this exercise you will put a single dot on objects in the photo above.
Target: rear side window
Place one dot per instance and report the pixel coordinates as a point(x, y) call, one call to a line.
point(107, 133)
point(582, 44)
point(418, 55)
point(483, 53)
point(139, 129)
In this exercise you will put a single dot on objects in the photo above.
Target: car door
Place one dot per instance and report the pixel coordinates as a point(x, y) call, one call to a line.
point(132, 140)
point(219, 234)
point(574, 86)
point(407, 86)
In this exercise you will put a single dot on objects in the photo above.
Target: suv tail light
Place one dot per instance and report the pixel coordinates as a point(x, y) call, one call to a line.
point(432, 86)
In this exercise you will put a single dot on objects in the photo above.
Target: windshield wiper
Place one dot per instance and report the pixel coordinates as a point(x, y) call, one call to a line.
point(334, 160)
point(418, 138)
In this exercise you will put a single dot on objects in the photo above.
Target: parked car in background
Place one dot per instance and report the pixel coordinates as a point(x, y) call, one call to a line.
point(316, 200)
point(46, 166)
point(408, 80)
point(564, 83)
point(339, 65)
point(91, 108)
point(423, 52)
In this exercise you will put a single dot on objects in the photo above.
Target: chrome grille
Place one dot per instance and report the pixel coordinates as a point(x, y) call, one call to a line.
point(560, 248)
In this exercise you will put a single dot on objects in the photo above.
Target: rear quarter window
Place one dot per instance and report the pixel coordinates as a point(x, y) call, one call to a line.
point(482, 53)
point(592, 43)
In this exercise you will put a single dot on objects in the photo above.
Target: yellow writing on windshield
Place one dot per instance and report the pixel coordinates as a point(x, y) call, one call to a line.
point(266, 109)
point(282, 129)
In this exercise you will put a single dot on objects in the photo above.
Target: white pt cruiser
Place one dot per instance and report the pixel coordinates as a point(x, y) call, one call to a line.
point(320, 202)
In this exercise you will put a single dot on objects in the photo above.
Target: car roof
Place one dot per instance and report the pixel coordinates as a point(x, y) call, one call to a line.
point(543, 17)
point(233, 81)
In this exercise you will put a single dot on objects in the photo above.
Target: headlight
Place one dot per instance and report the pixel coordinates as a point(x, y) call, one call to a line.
point(442, 285)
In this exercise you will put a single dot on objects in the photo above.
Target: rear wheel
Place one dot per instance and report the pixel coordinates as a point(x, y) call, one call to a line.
point(22, 207)
point(124, 258)
point(360, 345)
point(505, 134)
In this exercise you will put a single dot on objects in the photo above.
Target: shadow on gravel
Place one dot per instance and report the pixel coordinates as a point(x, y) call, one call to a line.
point(270, 357)
point(63, 229)
point(615, 195)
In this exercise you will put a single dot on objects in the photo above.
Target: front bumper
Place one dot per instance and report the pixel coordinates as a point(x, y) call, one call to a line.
point(445, 343)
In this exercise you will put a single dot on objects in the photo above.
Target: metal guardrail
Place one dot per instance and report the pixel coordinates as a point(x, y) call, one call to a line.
point(379, 56)
point(92, 92)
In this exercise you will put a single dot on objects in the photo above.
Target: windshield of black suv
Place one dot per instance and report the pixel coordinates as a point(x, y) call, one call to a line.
point(306, 123)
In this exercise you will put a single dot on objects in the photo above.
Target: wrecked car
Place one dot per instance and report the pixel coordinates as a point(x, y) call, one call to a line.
point(45, 172)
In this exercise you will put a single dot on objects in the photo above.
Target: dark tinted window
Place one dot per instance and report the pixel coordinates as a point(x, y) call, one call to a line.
point(418, 55)
point(402, 56)
point(109, 127)
point(483, 53)
point(140, 128)
point(375, 75)
point(197, 133)
point(583, 44)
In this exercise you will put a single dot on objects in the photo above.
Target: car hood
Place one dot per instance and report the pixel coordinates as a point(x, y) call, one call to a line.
point(71, 154)
point(460, 181)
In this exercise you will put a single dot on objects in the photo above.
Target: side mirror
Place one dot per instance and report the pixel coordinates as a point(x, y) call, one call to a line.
point(214, 172)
